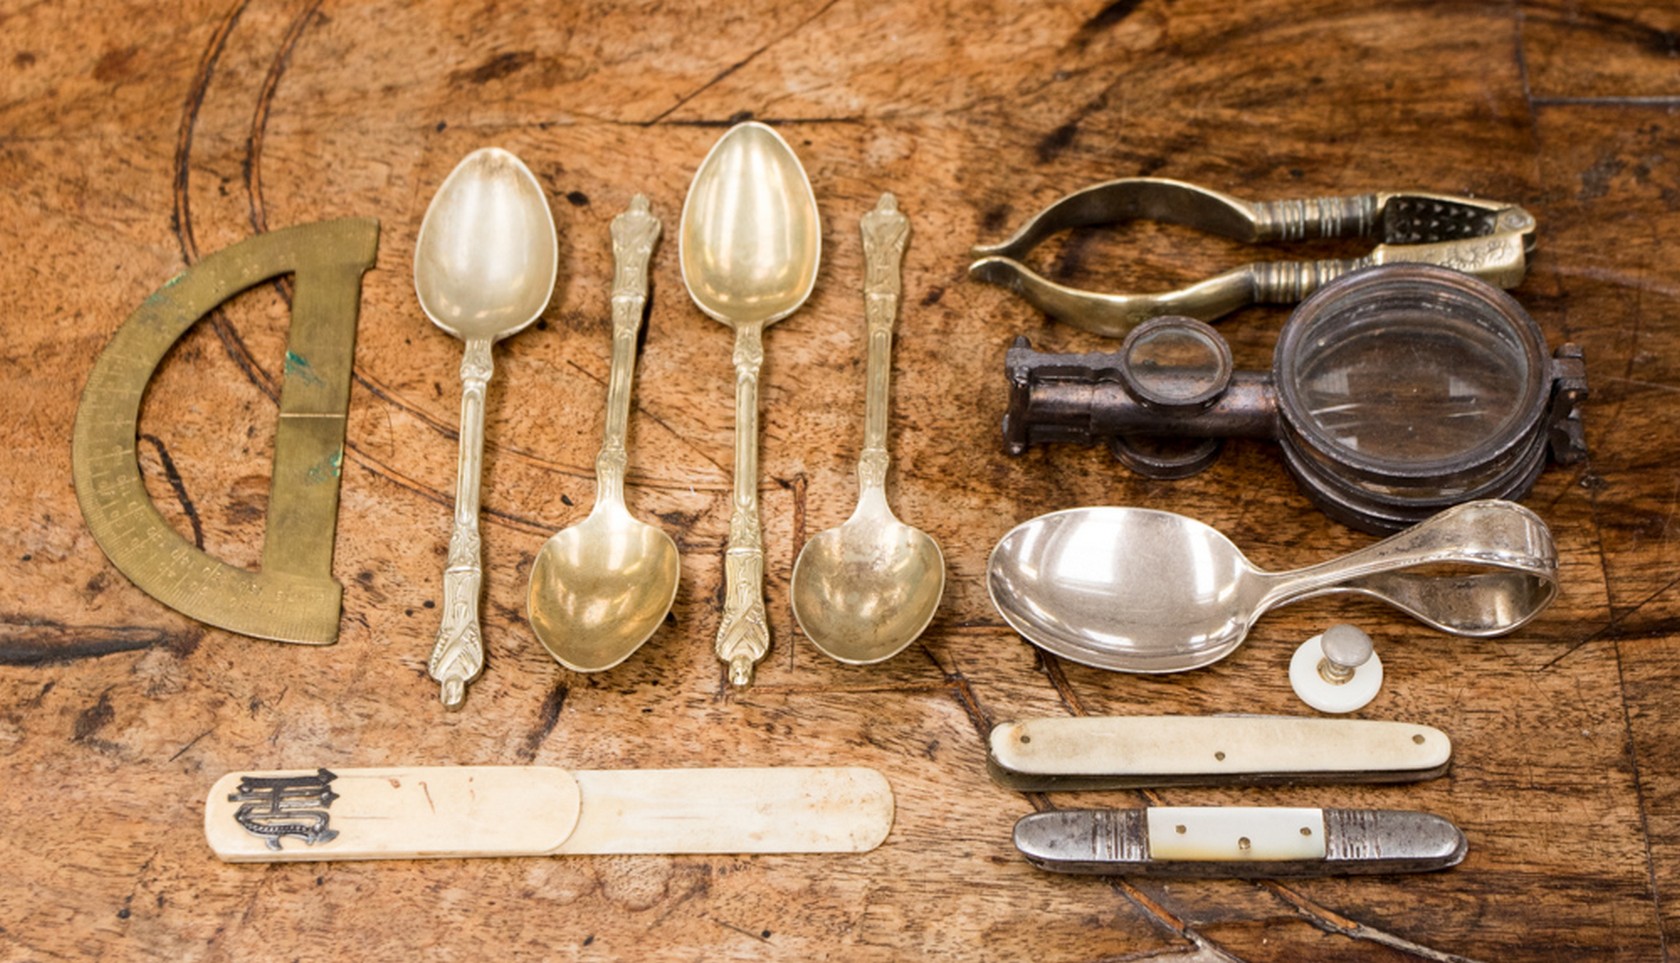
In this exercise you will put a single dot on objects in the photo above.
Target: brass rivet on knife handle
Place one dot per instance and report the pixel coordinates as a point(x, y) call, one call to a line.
point(294, 598)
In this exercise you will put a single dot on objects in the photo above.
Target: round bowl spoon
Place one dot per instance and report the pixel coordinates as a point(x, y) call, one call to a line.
point(750, 242)
point(865, 590)
point(1138, 590)
point(484, 268)
point(600, 588)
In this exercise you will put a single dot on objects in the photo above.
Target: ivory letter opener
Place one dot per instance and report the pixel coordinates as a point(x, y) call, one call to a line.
point(442, 811)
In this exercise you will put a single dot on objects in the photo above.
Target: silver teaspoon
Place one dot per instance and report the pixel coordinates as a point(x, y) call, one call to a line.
point(865, 590)
point(1138, 590)
point(600, 588)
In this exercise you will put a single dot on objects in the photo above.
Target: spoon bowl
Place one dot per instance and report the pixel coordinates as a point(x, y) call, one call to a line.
point(1152, 590)
point(864, 591)
point(750, 241)
point(1139, 590)
point(599, 589)
point(487, 255)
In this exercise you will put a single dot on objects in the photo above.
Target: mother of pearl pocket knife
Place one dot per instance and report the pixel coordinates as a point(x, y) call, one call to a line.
point(1238, 842)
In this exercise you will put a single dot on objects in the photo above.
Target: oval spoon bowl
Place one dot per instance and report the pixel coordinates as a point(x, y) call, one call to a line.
point(487, 255)
point(750, 241)
point(1129, 589)
point(863, 593)
point(600, 589)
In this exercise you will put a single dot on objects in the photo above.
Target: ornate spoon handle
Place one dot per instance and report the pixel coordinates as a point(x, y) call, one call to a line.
point(458, 654)
point(634, 233)
point(885, 232)
point(744, 636)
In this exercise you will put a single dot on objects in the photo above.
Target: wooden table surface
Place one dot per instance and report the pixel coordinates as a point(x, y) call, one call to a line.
point(136, 138)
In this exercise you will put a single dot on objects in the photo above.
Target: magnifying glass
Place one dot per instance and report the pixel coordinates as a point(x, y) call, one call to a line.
point(1394, 392)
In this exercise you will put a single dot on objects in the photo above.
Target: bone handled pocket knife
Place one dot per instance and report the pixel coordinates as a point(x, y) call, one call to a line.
point(1120, 752)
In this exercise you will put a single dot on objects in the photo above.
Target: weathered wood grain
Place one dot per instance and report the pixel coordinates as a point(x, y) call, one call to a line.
point(1609, 51)
point(136, 138)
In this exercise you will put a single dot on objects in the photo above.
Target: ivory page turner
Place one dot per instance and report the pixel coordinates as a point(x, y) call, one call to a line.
point(457, 811)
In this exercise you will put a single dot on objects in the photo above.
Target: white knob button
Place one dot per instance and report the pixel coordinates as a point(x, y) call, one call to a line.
point(1337, 671)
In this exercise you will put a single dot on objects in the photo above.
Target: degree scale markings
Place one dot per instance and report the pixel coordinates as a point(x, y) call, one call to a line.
point(295, 598)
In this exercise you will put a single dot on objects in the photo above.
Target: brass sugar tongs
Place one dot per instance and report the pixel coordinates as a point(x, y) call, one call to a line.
point(1490, 239)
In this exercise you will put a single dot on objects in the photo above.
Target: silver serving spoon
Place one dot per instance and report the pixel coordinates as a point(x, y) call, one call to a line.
point(601, 587)
point(1138, 590)
point(484, 268)
point(749, 246)
point(865, 590)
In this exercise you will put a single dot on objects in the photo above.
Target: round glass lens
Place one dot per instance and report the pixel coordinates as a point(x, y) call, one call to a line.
point(1176, 364)
point(1414, 382)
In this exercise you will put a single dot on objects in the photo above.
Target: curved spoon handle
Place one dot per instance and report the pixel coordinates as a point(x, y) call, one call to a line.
point(885, 232)
point(1495, 569)
point(458, 654)
point(744, 635)
point(634, 233)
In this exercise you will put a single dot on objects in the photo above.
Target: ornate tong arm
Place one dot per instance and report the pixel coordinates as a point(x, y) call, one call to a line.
point(1489, 239)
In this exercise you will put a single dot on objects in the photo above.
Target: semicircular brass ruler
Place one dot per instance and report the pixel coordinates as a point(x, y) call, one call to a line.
point(294, 598)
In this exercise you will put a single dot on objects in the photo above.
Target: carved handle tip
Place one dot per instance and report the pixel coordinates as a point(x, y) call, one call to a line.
point(741, 670)
point(454, 694)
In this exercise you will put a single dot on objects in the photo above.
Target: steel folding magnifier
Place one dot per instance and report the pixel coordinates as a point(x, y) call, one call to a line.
point(1395, 391)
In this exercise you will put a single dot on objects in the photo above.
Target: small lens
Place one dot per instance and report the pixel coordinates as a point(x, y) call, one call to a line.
point(1176, 363)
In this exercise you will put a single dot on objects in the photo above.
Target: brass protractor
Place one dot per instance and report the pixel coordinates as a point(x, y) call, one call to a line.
point(294, 598)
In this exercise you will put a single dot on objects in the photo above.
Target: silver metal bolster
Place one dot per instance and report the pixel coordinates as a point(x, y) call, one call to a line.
point(1093, 841)
point(1364, 841)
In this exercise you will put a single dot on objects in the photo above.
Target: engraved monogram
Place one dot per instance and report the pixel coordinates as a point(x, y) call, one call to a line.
point(279, 806)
